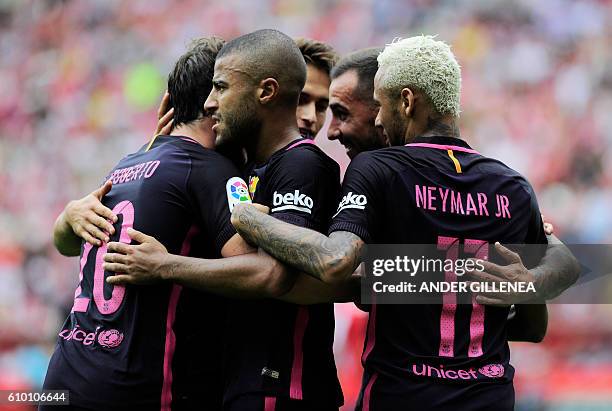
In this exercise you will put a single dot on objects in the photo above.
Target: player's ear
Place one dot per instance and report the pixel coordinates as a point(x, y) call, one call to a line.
point(407, 98)
point(268, 90)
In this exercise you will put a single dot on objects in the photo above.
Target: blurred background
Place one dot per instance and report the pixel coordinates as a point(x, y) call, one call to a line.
point(80, 82)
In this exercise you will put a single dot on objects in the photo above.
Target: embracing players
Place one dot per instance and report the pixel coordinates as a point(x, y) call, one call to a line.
point(279, 354)
point(292, 364)
point(253, 382)
point(152, 347)
point(417, 87)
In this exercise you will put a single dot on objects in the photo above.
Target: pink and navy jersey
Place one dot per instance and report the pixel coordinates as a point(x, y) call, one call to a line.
point(278, 349)
point(158, 346)
point(437, 191)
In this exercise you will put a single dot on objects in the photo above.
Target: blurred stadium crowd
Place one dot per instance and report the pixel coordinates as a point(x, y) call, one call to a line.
point(80, 82)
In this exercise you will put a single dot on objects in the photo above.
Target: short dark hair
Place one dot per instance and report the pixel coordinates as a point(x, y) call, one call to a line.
point(317, 53)
point(365, 63)
point(270, 53)
point(190, 82)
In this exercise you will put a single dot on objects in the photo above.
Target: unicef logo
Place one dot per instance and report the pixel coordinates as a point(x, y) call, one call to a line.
point(110, 338)
point(492, 370)
point(239, 191)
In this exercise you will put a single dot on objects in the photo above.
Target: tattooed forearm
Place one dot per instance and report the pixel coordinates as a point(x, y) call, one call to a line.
point(557, 271)
point(329, 259)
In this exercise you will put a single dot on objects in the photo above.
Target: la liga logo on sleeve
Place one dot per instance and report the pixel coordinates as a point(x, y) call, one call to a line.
point(237, 192)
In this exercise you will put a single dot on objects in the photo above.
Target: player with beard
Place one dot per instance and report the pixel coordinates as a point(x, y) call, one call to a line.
point(354, 113)
point(279, 354)
point(314, 98)
point(349, 104)
point(353, 125)
point(142, 348)
point(320, 58)
point(422, 356)
point(353, 109)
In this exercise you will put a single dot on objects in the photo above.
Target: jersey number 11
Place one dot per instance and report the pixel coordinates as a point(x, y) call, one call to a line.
point(480, 249)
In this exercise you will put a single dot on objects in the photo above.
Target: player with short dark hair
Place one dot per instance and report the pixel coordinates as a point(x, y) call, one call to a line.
point(433, 357)
point(353, 109)
point(365, 64)
point(189, 83)
point(143, 348)
point(314, 98)
point(263, 52)
point(279, 354)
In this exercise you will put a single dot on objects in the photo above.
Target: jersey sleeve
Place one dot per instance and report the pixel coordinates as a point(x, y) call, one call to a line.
point(215, 187)
point(304, 185)
point(360, 207)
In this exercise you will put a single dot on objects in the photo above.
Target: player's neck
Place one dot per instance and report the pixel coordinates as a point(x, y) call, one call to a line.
point(440, 126)
point(272, 138)
point(193, 131)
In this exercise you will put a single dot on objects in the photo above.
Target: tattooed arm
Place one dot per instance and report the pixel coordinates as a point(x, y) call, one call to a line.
point(330, 259)
point(557, 271)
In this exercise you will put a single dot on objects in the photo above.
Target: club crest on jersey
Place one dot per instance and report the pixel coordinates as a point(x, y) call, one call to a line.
point(253, 185)
point(350, 200)
point(292, 201)
point(237, 192)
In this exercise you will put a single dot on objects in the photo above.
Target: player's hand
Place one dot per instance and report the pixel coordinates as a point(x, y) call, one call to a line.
point(240, 209)
point(493, 273)
point(262, 208)
point(549, 229)
point(165, 117)
point(89, 218)
point(142, 263)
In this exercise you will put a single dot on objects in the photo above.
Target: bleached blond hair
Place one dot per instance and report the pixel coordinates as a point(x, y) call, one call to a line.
point(426, 64)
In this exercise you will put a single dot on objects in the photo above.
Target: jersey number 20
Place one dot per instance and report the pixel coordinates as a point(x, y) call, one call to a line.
point(103, 305)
